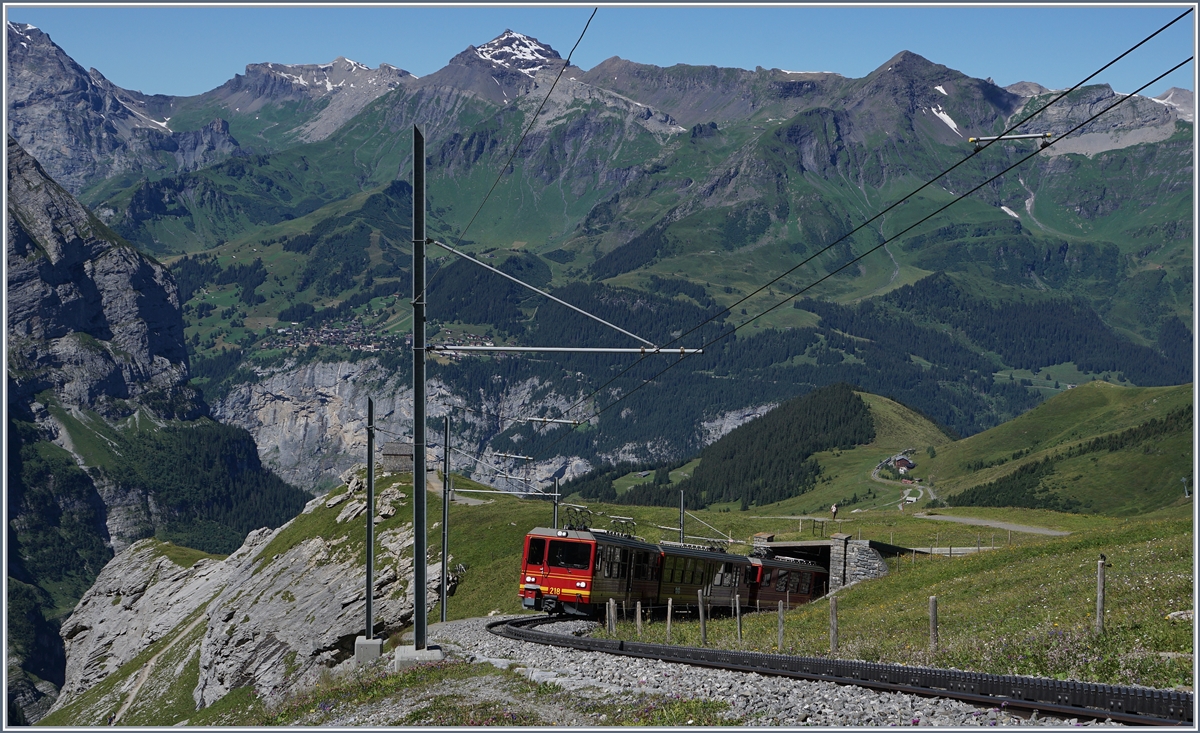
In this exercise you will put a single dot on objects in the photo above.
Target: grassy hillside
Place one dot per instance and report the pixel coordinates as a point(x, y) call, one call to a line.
point(845, 471)
point(1022, 609)
point(1137, 470)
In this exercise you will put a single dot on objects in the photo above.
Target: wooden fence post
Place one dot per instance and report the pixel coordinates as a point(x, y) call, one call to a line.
point(639, 619)
point(670, 613)
point(933, 625)
point(1100, 595)
point(833, 630)
point(700, 609)
point(612, 616)
point(781, 627)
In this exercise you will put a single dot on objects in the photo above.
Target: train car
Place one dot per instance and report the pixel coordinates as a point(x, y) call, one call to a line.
point(575, 572)
point(786, 579)
point(688, 569)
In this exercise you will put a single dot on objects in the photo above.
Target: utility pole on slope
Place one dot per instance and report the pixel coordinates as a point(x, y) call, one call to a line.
point(418, 303)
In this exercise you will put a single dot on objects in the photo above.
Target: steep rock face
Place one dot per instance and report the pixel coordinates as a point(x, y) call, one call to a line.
point(89, 316)
point(138, 598)
point(194, 149)
point(94, 328)
point(310, 421)
point(82, 127)
point(1183, 100)
point(1136, 120)
point(267, 622)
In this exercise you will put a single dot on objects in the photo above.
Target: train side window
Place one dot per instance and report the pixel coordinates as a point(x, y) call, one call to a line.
point(793, 582)
point(805, 583)
point(537, 551)
point(766, 579)
point(689, 571)
point(573, 555)
point(781, 580)
point(641, 567)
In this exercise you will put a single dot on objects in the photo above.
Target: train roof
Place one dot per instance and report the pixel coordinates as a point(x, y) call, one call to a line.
point(789, 563)
point(677, 549)
point(593, 535)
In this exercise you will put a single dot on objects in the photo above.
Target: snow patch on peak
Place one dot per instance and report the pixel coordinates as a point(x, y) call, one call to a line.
point(355, 66)
point(940, 89)
point(1010, 212)
point(810, 72)
point(20, 28)
point(518, 52)
point(941, 115)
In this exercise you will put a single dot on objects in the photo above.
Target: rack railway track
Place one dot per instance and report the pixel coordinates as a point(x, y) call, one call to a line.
point(1133, 705)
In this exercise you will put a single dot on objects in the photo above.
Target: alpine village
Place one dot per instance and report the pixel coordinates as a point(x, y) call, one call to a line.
point(690, 325)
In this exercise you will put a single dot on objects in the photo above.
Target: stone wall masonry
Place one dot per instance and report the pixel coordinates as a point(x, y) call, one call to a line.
point(853, 560)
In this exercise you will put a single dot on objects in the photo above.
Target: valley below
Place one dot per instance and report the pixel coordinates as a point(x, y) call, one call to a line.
point(205, 291)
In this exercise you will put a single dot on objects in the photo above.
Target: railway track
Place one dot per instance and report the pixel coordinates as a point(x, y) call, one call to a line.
point(1132, 705)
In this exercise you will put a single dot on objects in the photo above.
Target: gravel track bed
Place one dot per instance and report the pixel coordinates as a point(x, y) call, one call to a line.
point(754, 699)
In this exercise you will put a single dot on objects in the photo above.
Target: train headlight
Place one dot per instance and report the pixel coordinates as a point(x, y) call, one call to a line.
point(581, 584)
point(530, 579)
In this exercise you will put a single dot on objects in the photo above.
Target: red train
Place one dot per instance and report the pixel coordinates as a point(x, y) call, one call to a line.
point(576, 572)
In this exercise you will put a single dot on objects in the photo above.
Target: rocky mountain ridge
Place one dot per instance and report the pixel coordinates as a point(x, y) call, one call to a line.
point(89, 316)
point(268, 622)
point(83, 128)
point(309, 422)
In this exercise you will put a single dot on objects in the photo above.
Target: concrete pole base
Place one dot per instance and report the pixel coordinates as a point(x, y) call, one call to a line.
point(407, 656)
point(367, 650)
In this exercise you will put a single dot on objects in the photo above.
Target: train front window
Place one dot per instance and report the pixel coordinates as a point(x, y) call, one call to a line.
point(537, 551)
point(574, 555)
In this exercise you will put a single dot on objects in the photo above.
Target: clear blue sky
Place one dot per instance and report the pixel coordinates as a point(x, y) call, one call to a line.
point(183, 51)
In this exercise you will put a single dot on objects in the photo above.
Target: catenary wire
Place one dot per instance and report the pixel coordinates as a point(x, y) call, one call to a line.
point(864, 224)
point(830, 274)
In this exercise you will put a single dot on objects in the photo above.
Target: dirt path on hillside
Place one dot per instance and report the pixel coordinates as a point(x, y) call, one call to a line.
point(145, 673)
point(434, 485)
point(921, 488)
point(997, 524)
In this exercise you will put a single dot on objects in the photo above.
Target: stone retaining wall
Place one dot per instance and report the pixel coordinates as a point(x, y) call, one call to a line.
point(853, 560)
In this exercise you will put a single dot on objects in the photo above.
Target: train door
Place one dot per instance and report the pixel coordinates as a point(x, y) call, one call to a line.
point(534, 572)
point(752, 579)
point(535, 558)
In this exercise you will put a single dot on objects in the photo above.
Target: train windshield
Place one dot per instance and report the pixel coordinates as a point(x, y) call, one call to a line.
point(574, 555)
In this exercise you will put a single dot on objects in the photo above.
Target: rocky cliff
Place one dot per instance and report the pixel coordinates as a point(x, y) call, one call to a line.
point(287, 605)
point(82, 127)
point(310, 420)
point(88, 315)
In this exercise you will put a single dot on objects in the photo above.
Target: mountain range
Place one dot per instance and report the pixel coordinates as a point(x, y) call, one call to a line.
point(242, 255)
